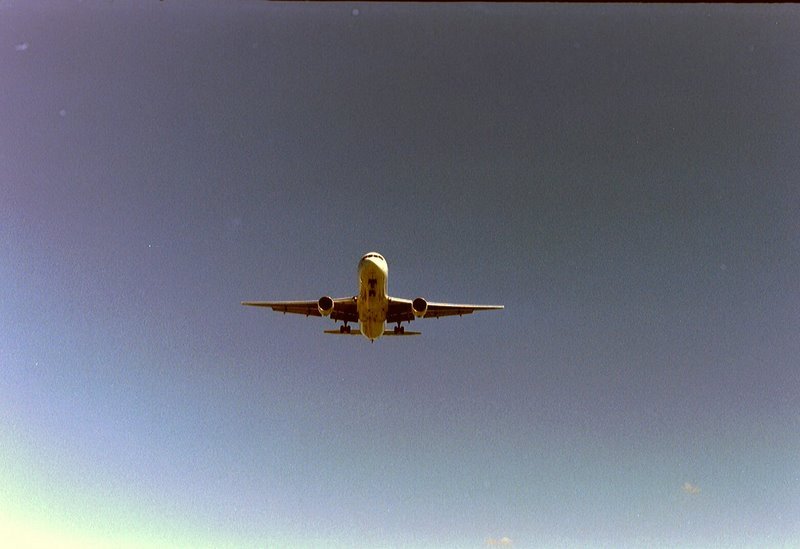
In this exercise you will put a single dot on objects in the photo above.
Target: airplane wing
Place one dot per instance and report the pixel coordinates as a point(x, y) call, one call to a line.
point(344, 308)
point(400, 310)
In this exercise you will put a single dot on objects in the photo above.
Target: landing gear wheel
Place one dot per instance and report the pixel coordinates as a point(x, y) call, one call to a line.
point(399, 329)
point(344, 329)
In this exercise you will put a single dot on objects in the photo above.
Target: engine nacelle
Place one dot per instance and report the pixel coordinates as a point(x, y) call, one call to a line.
point(419, 307)
point(325, 305)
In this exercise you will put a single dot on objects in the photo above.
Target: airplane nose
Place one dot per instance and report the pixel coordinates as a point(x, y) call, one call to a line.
point(372, 261)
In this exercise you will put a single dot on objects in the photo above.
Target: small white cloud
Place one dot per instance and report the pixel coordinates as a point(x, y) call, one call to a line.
point(504, 541)
point(22, 46)
point(690, 488)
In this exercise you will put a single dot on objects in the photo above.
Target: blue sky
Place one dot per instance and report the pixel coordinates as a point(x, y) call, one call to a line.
point(622, 178)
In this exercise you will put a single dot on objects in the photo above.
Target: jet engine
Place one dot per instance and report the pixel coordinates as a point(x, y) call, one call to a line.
point(419, 307)
point(325, 305)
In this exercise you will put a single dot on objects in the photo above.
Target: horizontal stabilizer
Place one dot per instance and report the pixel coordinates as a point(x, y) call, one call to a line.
point(358, 333)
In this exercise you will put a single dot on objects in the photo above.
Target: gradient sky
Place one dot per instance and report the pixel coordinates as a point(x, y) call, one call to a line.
point(625, 179)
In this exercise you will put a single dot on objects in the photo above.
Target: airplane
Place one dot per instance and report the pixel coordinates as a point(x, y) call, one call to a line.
point(372, 308)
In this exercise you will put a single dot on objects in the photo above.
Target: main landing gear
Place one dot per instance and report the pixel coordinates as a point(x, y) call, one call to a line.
point(344, 329)
point(399, 329)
